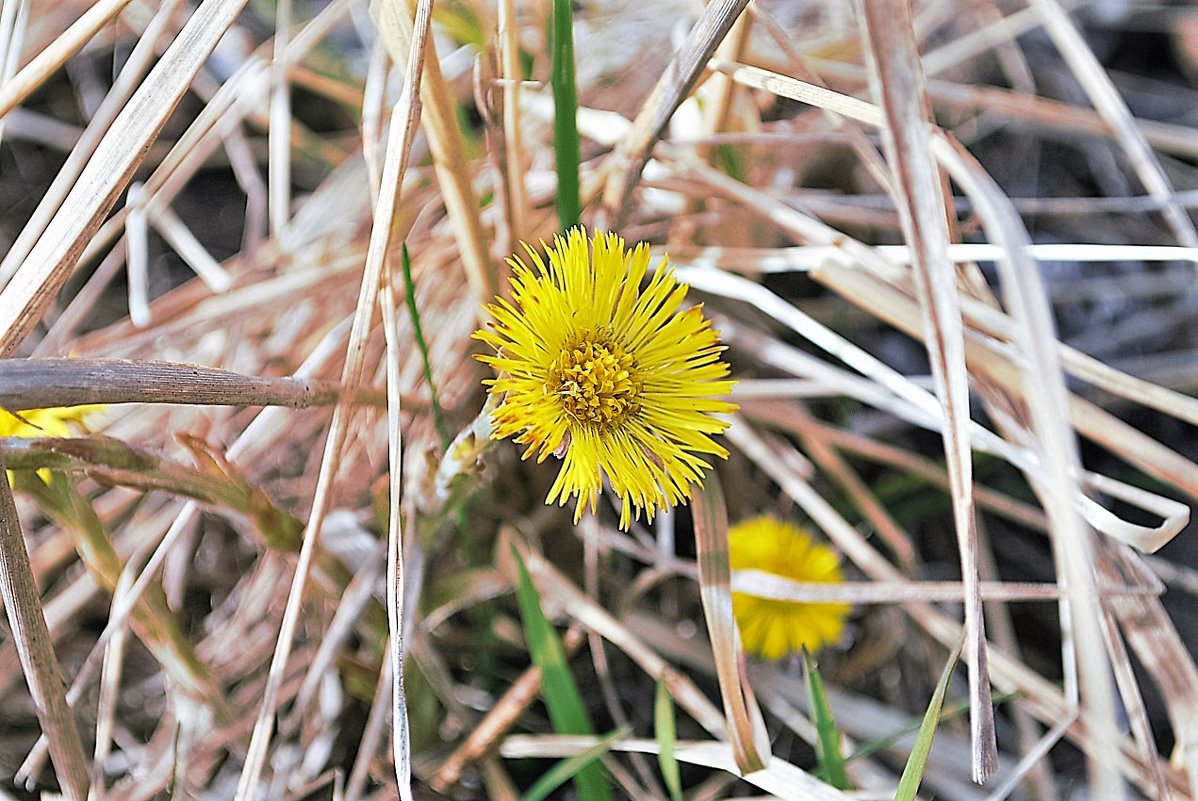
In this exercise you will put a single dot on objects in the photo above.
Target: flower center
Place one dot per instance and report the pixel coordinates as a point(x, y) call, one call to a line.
point(596, 381)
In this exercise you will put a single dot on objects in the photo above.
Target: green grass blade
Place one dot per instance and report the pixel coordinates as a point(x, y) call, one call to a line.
point(827, 751)
point(418, 335)
point(663, 726)
point(566, 710)
point(565, 115)
point(565, 770)
point(908, 785)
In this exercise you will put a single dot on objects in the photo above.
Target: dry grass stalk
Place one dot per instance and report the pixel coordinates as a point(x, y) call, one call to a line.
point(279, 163)
point(1113, 109)
point(35, 648)
point(898, 81)
point(123, 86)
point(625, 165)
point(445, 140)
point(42, 383)
point(47, 62)
point(14, 16)
point(840, 419)
point(746, 728)
point(112, 164)
point(515, 157)
point(404, 119)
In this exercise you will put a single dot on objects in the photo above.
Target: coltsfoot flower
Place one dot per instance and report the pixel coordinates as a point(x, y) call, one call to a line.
point(614, 381)
point(56, 422)
point(773, 629)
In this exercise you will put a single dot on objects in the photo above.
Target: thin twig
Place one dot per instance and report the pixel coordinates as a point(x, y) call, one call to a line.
point(45, 383)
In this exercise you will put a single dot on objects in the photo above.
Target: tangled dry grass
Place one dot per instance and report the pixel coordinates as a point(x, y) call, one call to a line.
point(951, 255)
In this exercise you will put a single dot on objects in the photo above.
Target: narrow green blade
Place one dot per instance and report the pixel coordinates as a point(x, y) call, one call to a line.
point(827, 752)
point(913, 773)
point(418, 336)
point(565, 770)
point(566, 710)
point(566, 146)
point(663, 725)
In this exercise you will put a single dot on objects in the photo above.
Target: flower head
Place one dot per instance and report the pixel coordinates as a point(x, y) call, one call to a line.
point(615, 381)
point(56, 422)
point(771, 628)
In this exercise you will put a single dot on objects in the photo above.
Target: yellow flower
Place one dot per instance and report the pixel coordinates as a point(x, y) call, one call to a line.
point(770, 628)
point(56, 422)
point(614, 381)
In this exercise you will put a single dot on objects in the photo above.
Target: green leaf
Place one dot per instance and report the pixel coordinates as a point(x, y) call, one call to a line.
point(827, 751)
point(566, 710)
point(913, 773)
point(418, 336)
point(566, 146)
point(663, 726)
point(565, 770)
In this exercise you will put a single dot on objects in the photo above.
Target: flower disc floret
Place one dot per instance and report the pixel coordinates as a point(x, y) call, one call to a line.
point(617, 381)
point(597, 382)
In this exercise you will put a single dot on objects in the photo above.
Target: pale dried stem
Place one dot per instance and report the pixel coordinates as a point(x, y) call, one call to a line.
point(137, 262)
point(513, 133)
point(404, 119)
point(110, 683)
point(47, 62)
point(135, 68)
point(36, 651)
point(721, 89)
point(1111, 106)
point(279, 164)
point(14, 15)
point(1040, 779)
point(376, 720)
point(897, 80)
point(112, 164)
point(400, 740)
point(445, 141)
point(746, 729)
point(997, 32)
point(624, 165)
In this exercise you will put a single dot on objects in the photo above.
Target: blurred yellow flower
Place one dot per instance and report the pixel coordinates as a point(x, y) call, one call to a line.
point(614, 381)
point(773, 629)
point(56, 422)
